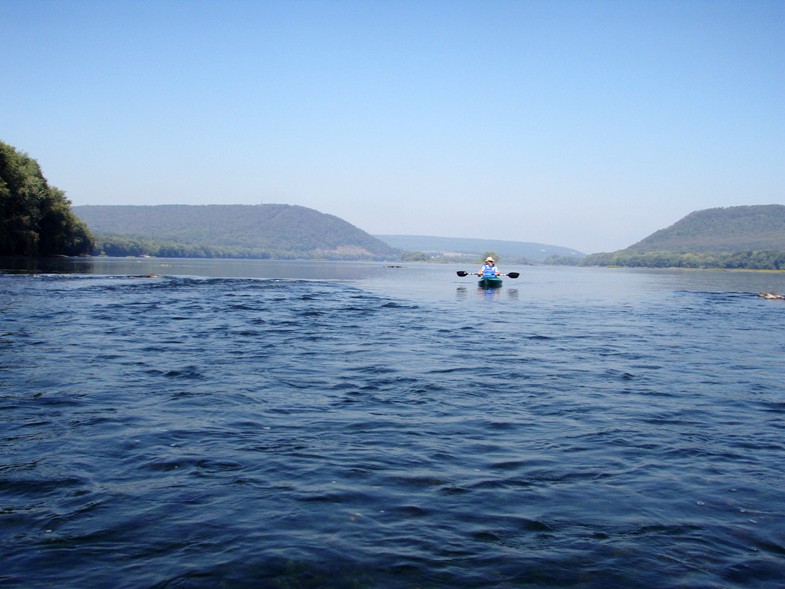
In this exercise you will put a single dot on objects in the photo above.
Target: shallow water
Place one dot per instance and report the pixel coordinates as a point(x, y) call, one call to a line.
point(242, 424)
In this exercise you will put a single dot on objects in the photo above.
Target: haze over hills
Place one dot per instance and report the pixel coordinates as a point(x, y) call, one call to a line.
point(730, 229)
point(751, 237)
point(454, 247)
point(274, 231)
point(733, 237)
point(250, 231)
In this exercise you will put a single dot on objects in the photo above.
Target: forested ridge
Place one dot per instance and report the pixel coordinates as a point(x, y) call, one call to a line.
point(35, 218)
point(751, 237)
point(239, 231)
point(720, 230)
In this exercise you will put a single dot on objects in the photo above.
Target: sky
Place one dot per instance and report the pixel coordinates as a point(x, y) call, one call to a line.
point(578, 123)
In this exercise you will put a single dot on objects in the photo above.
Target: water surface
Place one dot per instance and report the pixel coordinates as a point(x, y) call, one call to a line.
point(259, 424)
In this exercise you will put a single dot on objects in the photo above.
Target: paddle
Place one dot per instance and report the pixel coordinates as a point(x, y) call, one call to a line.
point(510, 274)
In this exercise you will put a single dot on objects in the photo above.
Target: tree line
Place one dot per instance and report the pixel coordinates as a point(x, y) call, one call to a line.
point(123, 246)
point(269, 230)
point(751, 259)
point(36, 218)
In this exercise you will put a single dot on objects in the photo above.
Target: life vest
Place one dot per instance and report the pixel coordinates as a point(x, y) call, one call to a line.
point(488, 271)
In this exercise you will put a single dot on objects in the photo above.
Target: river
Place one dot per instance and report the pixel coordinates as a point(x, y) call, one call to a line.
point(224, 423)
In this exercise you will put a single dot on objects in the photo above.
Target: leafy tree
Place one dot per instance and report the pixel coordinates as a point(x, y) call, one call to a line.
point(415, 257)
point(35, 218)
point(493, 255)
point(750, 259)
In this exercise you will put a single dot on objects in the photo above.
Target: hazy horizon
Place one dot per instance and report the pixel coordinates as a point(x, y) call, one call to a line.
point(587, 125)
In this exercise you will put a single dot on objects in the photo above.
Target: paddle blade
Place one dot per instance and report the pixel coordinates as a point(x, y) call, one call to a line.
point(514, 274)
point(462, 273)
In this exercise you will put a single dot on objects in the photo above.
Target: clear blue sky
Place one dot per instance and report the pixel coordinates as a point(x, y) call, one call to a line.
point(586, 124)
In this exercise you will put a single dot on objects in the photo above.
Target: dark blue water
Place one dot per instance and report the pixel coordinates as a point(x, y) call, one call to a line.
point(383, 428)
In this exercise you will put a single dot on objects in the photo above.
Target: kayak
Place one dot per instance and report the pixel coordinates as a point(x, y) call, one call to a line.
point(492, 282)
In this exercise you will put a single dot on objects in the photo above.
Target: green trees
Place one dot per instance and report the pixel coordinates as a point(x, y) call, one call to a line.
point(489, 254)
point(35, 218)
point(415, 257)
point(751, 259)
point(731, 229)
point(229, 231)
point(749, 237)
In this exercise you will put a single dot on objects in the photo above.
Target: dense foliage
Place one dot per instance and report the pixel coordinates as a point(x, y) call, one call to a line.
point(751, 237)
point(121, 246)
point(229, 231)
point(751, 259)
point(35, 218)
point(731, 229)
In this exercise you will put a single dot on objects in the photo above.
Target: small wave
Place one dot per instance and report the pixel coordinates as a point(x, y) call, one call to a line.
point(243, 432)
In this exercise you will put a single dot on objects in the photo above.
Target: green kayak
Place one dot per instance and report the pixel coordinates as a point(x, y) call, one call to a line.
point(490, 282)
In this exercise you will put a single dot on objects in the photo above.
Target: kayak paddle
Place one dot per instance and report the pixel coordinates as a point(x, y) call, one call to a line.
point(510, 274)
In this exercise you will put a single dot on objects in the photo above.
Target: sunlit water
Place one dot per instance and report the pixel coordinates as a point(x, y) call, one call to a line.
point(292, 425)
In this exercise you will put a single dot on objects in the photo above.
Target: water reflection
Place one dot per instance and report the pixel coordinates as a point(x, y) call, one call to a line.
point(487, 294)
point(14, 265)
point(214, 268)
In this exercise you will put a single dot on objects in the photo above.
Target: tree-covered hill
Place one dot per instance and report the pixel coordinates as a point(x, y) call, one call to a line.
point(35, 218)
point(244, 231)
point(721, 230)
point(750, 237)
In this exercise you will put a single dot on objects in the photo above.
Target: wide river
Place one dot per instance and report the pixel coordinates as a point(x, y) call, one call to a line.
point(291, 425)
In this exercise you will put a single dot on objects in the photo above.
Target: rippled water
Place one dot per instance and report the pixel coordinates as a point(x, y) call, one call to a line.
point(359, 426)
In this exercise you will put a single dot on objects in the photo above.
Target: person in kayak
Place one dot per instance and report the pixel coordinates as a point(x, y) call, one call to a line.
point(489, 270)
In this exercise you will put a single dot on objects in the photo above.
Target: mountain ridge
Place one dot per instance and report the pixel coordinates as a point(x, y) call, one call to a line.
point(749, 237)
point(719, 230)
point(265, 231)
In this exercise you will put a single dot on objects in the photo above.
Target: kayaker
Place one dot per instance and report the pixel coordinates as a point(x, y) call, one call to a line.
point(489, 270)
